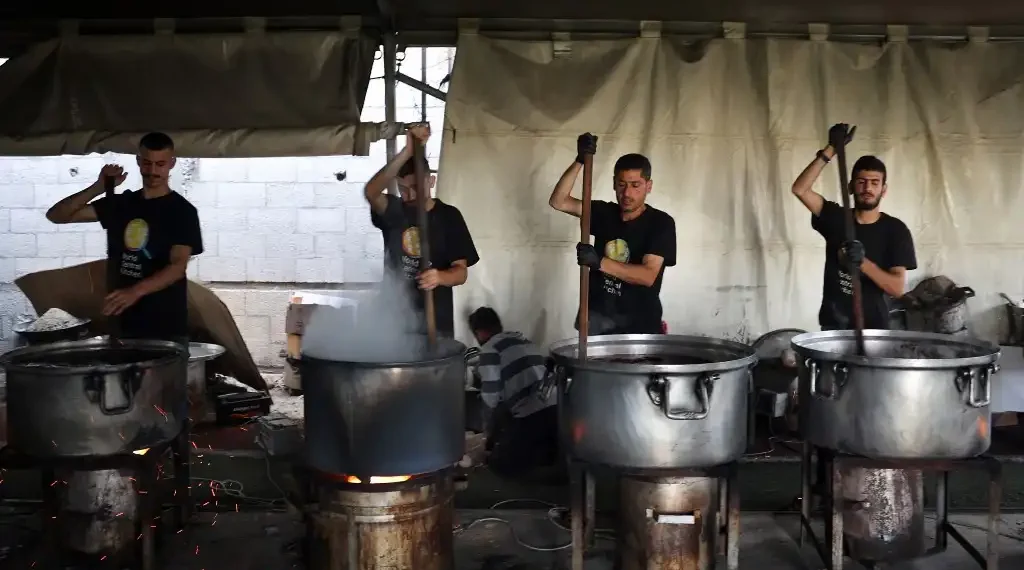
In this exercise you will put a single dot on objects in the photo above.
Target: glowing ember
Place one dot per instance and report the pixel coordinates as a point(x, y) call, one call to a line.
point(374, 480)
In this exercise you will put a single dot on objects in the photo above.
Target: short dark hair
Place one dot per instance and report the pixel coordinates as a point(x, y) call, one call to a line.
point(871, 164)
point(409, 168)
point(156, 141)
point(634, 162)
point(485, 319)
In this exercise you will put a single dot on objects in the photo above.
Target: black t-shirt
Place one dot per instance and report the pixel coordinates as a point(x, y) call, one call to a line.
point(617, 307)
point(144, 232)
point(449, 242)
point(887, 243)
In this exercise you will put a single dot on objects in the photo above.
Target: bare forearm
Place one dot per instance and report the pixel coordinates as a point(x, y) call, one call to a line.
point(803, 186)
point(561, 197)
point(66, 208)
point(629, 272)
point(162, 279)
point(454, 276)
point(379, 183)
point(892, 283)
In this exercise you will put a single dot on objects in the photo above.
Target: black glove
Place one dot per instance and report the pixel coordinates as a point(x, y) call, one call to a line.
point(840, 134)
point(587, 256)
point(851, 254)
point(585, 144)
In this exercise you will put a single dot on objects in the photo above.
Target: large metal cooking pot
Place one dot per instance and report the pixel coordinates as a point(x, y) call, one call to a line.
point(385, 419)
point(654, 401)
point(94, 397)
point(913, 396)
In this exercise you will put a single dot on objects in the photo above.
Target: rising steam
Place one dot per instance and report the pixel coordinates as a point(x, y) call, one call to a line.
point(385, 328)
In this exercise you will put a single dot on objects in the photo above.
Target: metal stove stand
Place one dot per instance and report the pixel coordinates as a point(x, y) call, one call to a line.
point(833, 468)
point(582, 509)
point(147, 468)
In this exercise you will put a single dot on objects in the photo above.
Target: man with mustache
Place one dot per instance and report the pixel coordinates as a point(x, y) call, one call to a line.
point(883, 249)
point(156, 232)
point(633, 244)
point(452, 251)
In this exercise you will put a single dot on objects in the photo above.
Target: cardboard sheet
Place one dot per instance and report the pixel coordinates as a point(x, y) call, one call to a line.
point(80, 289)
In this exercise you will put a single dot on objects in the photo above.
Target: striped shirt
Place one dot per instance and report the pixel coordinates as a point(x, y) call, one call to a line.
point(511, 368)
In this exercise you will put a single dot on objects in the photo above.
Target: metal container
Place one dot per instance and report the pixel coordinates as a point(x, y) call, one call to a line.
point(913, 396)
point(668, 523)
point(883, 514)
point(77, 331)
point(654, 401)
point(99, 512)
point(385, 419)
point(199, 353)
point(385, 527)
point(94, 397)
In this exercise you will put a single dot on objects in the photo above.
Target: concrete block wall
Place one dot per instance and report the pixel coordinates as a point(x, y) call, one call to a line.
point(271, 226)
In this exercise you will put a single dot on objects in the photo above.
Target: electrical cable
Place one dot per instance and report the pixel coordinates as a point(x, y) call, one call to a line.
point(554, 513)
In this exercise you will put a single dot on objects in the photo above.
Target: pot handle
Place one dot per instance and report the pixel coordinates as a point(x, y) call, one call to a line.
point(98, 385)
point(980, 382)
point(663, 388)
point(839, 372)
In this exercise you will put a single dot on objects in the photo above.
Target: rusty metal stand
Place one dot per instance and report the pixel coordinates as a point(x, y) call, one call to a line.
point(147, 468)
point(582, 509)
point(833, 467)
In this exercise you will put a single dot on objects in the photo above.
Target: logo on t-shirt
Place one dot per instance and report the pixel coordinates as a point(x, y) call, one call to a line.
point(136, 238)
point(411, 241)
point(411, 252)
point(617, 250)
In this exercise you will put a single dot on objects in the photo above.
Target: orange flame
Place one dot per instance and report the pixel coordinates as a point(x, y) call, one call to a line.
point(141, 451)
point(375, 480)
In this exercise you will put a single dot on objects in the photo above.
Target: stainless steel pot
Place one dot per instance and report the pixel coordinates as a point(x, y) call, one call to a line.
point(654, 401)
point(914, 396)
point(199, 353)
point(385, 419)
point(94, 397)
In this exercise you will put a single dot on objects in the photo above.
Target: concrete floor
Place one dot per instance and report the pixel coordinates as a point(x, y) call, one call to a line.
point(258, 541)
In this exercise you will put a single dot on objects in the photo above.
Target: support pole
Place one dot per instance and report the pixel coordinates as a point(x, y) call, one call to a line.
point(423, 78)
point(390, 48)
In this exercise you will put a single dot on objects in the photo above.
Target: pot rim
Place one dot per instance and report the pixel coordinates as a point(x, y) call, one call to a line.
point(7, 359)
point(453, 350)
point(803, 345)
point(564, 354)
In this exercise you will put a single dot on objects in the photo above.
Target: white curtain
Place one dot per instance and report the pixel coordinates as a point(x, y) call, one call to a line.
point(728, 125)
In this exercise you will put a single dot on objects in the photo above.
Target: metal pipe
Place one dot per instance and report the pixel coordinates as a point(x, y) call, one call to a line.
point(424, 88)
point(390, 48)
point(423, 78)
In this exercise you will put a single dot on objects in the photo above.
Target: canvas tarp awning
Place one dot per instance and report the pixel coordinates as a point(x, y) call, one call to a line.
point(728, 126)
point(217, 95)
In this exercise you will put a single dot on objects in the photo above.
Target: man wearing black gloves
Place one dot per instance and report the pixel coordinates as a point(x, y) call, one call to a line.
point(633, 243)
point(883, 249)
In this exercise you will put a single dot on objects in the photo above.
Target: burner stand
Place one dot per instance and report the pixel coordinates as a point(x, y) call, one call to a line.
point(727, 521)
point(834, 464)
point(382, 526)
point(146, 470)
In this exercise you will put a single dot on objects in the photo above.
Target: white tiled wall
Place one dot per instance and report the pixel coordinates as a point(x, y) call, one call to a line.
point(269, 225)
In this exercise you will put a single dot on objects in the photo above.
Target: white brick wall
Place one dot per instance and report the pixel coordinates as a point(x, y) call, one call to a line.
point(270, 225)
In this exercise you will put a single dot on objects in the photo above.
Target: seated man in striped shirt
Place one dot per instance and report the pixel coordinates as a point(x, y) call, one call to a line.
point(523, 432)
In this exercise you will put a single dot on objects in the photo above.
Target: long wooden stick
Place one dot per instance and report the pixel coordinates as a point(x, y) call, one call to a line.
point(588, 178)
point(851, 234)
point(113, 265)
point(422, 197)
